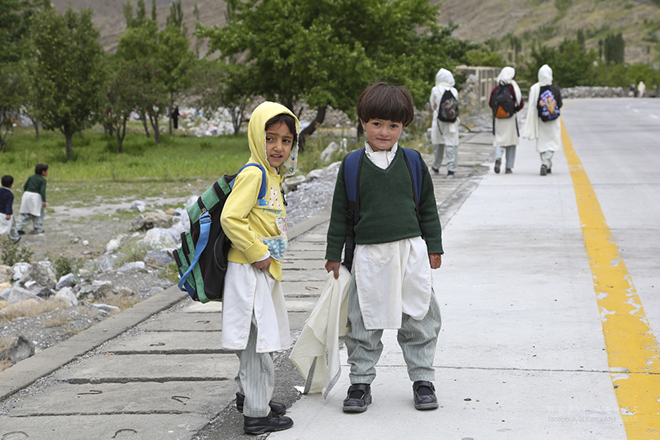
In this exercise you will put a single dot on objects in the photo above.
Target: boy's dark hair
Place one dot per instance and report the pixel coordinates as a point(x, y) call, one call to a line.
point(386, 101)
point(7, 180)
point(288, 120)
point(40, 168)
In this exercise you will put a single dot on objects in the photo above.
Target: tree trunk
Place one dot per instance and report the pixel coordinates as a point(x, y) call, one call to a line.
point(311, 128)
point(143, 118)
point(154, 125)
point(35, 125)
point(120, 131)
point(69, 145)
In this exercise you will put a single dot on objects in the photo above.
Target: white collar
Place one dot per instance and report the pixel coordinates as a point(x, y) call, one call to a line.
point(382, 159)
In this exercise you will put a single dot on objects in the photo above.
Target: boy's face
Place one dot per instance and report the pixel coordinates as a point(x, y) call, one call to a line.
point(279, 141)
point(382, 134)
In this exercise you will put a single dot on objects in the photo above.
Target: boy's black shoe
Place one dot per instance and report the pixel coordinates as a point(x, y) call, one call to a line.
point(424, 395)
point(508, 171)
point(21, 232)
point(262, 425)
point(277, 408)
point(357, 398)
point(450, 174)
point(549, 170)
point(435, 170)
point(498, 163)
point(17, 240)
point(544, 170)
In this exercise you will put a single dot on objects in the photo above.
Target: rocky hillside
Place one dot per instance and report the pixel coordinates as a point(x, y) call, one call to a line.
point(532, 20)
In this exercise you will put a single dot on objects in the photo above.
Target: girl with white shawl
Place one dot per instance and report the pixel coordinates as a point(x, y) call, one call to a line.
point(506, 129)
point(546, 133)
point(444, 135)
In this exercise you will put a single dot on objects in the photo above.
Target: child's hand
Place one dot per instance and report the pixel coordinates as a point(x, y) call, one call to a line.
point(436, 260)
point(263, 265)
point(8, 217)
point(333, 266)
point(44, 204)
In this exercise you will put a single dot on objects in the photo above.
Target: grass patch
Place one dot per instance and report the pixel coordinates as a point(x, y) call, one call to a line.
point(31, 308)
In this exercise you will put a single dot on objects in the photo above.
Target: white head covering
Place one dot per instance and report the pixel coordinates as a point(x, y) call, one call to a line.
point(506, 77)
point(545, 75)
point(444, 78)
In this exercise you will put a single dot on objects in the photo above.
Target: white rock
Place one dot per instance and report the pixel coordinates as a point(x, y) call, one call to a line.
point(67, 280)
point(331, 149)
point(18, 270)
point(66, 293)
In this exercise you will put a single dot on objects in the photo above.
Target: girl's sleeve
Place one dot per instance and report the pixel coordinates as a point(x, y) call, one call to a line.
point(234, 218)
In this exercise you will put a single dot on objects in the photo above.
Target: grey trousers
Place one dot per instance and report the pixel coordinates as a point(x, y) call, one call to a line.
point(510, 155)
point(546, 158)
point(417, 340)
point(451, 151)
point(13, 232)
point(24, 219)
point(256, 377)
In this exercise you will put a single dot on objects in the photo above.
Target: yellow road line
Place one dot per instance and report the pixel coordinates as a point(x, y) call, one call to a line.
point(632, 350)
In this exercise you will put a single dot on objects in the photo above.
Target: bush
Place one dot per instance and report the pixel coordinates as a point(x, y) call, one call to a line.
point(13, 253)
point(64, 265)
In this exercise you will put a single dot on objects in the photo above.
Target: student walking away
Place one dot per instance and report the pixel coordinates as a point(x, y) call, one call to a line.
point(445, 121)
point(254, 316)
point(33, 203)
point(506, 101)
point(641, 89)
point(175, 117)
point(543, 122)
point(397, 241)
point(7, 219)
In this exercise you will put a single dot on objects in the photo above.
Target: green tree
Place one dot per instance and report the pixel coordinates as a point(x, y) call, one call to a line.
point(217, 84)
point(122, 92)
point(13, 93)
point(326, 51)
point(571, 64)
point(67, 74)
point(614, 48)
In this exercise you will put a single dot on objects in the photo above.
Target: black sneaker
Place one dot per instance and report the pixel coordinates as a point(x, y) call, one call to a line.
point(498, 164)
point(262, 425)
point(424, 395)
point(435, 170)
point(508, 171)
point(358, 398)
point(21, 232)
point(544, 170)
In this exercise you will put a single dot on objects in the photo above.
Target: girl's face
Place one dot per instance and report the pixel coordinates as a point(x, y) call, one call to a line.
point(279, 141)
point(382, 134)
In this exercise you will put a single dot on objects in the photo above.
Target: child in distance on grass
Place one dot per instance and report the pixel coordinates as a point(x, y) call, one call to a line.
point(33, 203)
point(255, 322)
point(395, 251)
point(7, 219)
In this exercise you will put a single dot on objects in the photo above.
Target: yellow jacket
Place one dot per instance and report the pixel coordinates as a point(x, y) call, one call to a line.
point(247, 221)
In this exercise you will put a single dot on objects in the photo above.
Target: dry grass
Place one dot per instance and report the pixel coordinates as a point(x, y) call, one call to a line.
point(31, 307)
point(4, 364)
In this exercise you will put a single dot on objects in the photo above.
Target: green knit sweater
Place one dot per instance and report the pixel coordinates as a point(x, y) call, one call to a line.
point(387, 208)
point(36, 183)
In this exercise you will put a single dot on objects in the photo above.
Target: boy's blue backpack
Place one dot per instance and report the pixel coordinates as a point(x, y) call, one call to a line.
point(352, 166)
point(202, 257)
point(547, 105)
point(448, 109)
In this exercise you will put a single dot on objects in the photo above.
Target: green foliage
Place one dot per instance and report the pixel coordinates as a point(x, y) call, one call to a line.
point(326, 52)
point(614, 48)
point(67, 75)
point(483, 57)
point(176, 158)
point(13, 253)
point(15, 20)
point(64, 265)
point(563, 6)
point(571, 64)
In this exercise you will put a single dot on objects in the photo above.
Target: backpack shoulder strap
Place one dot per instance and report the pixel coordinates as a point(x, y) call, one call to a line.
point(262, 189)
point(352, 166)
point(414, 162)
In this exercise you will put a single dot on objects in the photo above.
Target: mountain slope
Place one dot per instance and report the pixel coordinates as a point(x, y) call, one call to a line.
point(477, 20)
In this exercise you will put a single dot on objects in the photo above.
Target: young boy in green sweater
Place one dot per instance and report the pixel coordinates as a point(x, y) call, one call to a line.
point(33, 203)
point(395, 250)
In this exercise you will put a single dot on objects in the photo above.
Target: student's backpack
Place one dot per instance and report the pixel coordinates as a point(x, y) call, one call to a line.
point(503, 104)
point(448, 110)
point(352, 166)
point(202, 257)
point(547, 105)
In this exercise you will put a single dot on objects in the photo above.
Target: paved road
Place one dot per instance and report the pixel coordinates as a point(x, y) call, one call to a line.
point(548, 298)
